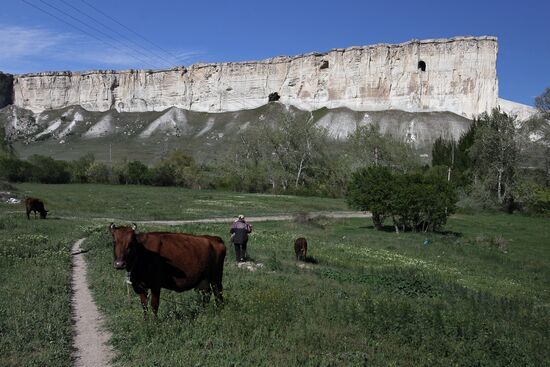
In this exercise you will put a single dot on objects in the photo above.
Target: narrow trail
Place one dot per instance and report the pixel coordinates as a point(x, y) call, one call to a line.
point(266, 218)
point(90, 339)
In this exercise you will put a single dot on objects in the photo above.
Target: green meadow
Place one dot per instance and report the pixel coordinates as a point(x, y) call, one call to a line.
point(477, 294)
point(134, 202)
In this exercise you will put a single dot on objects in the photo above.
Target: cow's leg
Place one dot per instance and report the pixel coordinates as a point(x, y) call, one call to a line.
point(143, 299)
point(155, 301)
point(204, 290)
point(206, 294)
point(28, 212)
point(216, 282)
point(218, 292)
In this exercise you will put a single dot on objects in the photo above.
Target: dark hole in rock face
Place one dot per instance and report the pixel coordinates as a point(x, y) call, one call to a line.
point(273, 97)
point(422, 65)
point(324, 65)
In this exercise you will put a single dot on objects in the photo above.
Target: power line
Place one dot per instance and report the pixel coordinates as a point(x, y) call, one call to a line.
point(129, 29)
point(85, 32)
point(94, 28)
point(169, 62)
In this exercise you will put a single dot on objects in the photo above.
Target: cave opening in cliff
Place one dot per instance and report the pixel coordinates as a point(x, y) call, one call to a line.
point(422, 65)
point(273, 97)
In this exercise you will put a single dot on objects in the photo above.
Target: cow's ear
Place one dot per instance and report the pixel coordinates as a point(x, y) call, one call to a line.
point(134, 226)
point(112, 227)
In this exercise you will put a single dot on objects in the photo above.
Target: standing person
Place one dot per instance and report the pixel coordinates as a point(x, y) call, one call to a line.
point(239, 236)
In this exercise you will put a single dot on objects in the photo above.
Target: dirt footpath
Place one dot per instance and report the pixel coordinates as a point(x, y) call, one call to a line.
point(90, 339)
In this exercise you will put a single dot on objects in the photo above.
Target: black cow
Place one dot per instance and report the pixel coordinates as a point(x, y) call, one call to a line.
point(35, 205)
point(300, 248)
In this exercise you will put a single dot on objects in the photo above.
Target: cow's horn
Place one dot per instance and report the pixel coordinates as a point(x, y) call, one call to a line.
point(134, 226)
point(112, 226)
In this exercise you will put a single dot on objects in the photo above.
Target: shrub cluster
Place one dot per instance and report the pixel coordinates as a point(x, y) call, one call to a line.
point(413, 201)
point(178, 169)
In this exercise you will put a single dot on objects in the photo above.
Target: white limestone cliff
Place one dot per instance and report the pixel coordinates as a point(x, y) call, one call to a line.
point(459, 77)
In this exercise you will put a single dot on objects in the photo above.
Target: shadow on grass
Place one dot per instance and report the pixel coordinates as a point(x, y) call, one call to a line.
point(310, 260)
point(391, 229)
point(449, 233)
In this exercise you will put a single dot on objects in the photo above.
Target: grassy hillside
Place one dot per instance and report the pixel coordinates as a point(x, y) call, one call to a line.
point(475, 295)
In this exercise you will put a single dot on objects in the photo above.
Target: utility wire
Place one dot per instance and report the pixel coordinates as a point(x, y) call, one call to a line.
point(129, 29)
point(94, 19)
point(96, 30)
point(86, 32)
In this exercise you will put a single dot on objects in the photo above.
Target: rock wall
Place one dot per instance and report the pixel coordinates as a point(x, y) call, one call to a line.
point(459, 76)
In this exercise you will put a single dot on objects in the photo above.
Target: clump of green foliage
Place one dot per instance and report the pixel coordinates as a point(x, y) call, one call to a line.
point(414, 201)
point(500, 163)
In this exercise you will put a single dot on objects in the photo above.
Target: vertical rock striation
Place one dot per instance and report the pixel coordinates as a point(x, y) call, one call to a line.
point(456, 75)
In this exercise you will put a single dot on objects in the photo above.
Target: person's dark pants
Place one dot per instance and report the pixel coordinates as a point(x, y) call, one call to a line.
point(240, 252)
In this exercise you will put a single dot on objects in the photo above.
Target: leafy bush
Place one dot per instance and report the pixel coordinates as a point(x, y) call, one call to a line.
point(98, 172)
point(48, 170)
point(370, 190)
point(184, 168)
point(418, 202)
point(536, 199)
point(138, 173)
point(422, 202)
point(15, 170)
point(79, 167)
point(163, 175)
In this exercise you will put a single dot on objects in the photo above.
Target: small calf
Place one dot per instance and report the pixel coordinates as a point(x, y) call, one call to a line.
point(300, 248)
point(35, 205)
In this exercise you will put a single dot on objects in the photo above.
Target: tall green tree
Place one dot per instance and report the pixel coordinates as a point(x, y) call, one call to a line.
point(369, 147)
point(6, 149)
point(284, 154)
point(455, 156)
point(542, 103)
point(494, 153)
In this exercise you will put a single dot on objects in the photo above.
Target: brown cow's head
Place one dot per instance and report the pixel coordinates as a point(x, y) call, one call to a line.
point(123, 241)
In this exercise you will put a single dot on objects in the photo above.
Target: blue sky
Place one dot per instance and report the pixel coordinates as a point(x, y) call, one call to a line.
point(185, 32)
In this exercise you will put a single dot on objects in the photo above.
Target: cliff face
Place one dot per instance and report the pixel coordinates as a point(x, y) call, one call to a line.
point(456, 75)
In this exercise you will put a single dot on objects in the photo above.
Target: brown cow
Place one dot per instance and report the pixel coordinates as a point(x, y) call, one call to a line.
point(35, 205)
point(175, 261)
point(300, 248)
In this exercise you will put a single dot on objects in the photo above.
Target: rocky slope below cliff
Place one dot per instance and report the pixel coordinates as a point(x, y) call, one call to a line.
point(70, 132)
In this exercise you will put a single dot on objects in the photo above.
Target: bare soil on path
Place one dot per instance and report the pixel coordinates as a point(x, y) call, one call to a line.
point(90, 338)
point(266, 218)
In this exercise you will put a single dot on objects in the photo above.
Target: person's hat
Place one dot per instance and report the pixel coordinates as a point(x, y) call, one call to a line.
point(240, 216)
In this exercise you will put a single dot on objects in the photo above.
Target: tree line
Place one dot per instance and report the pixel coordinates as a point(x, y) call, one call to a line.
point(501, 163)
